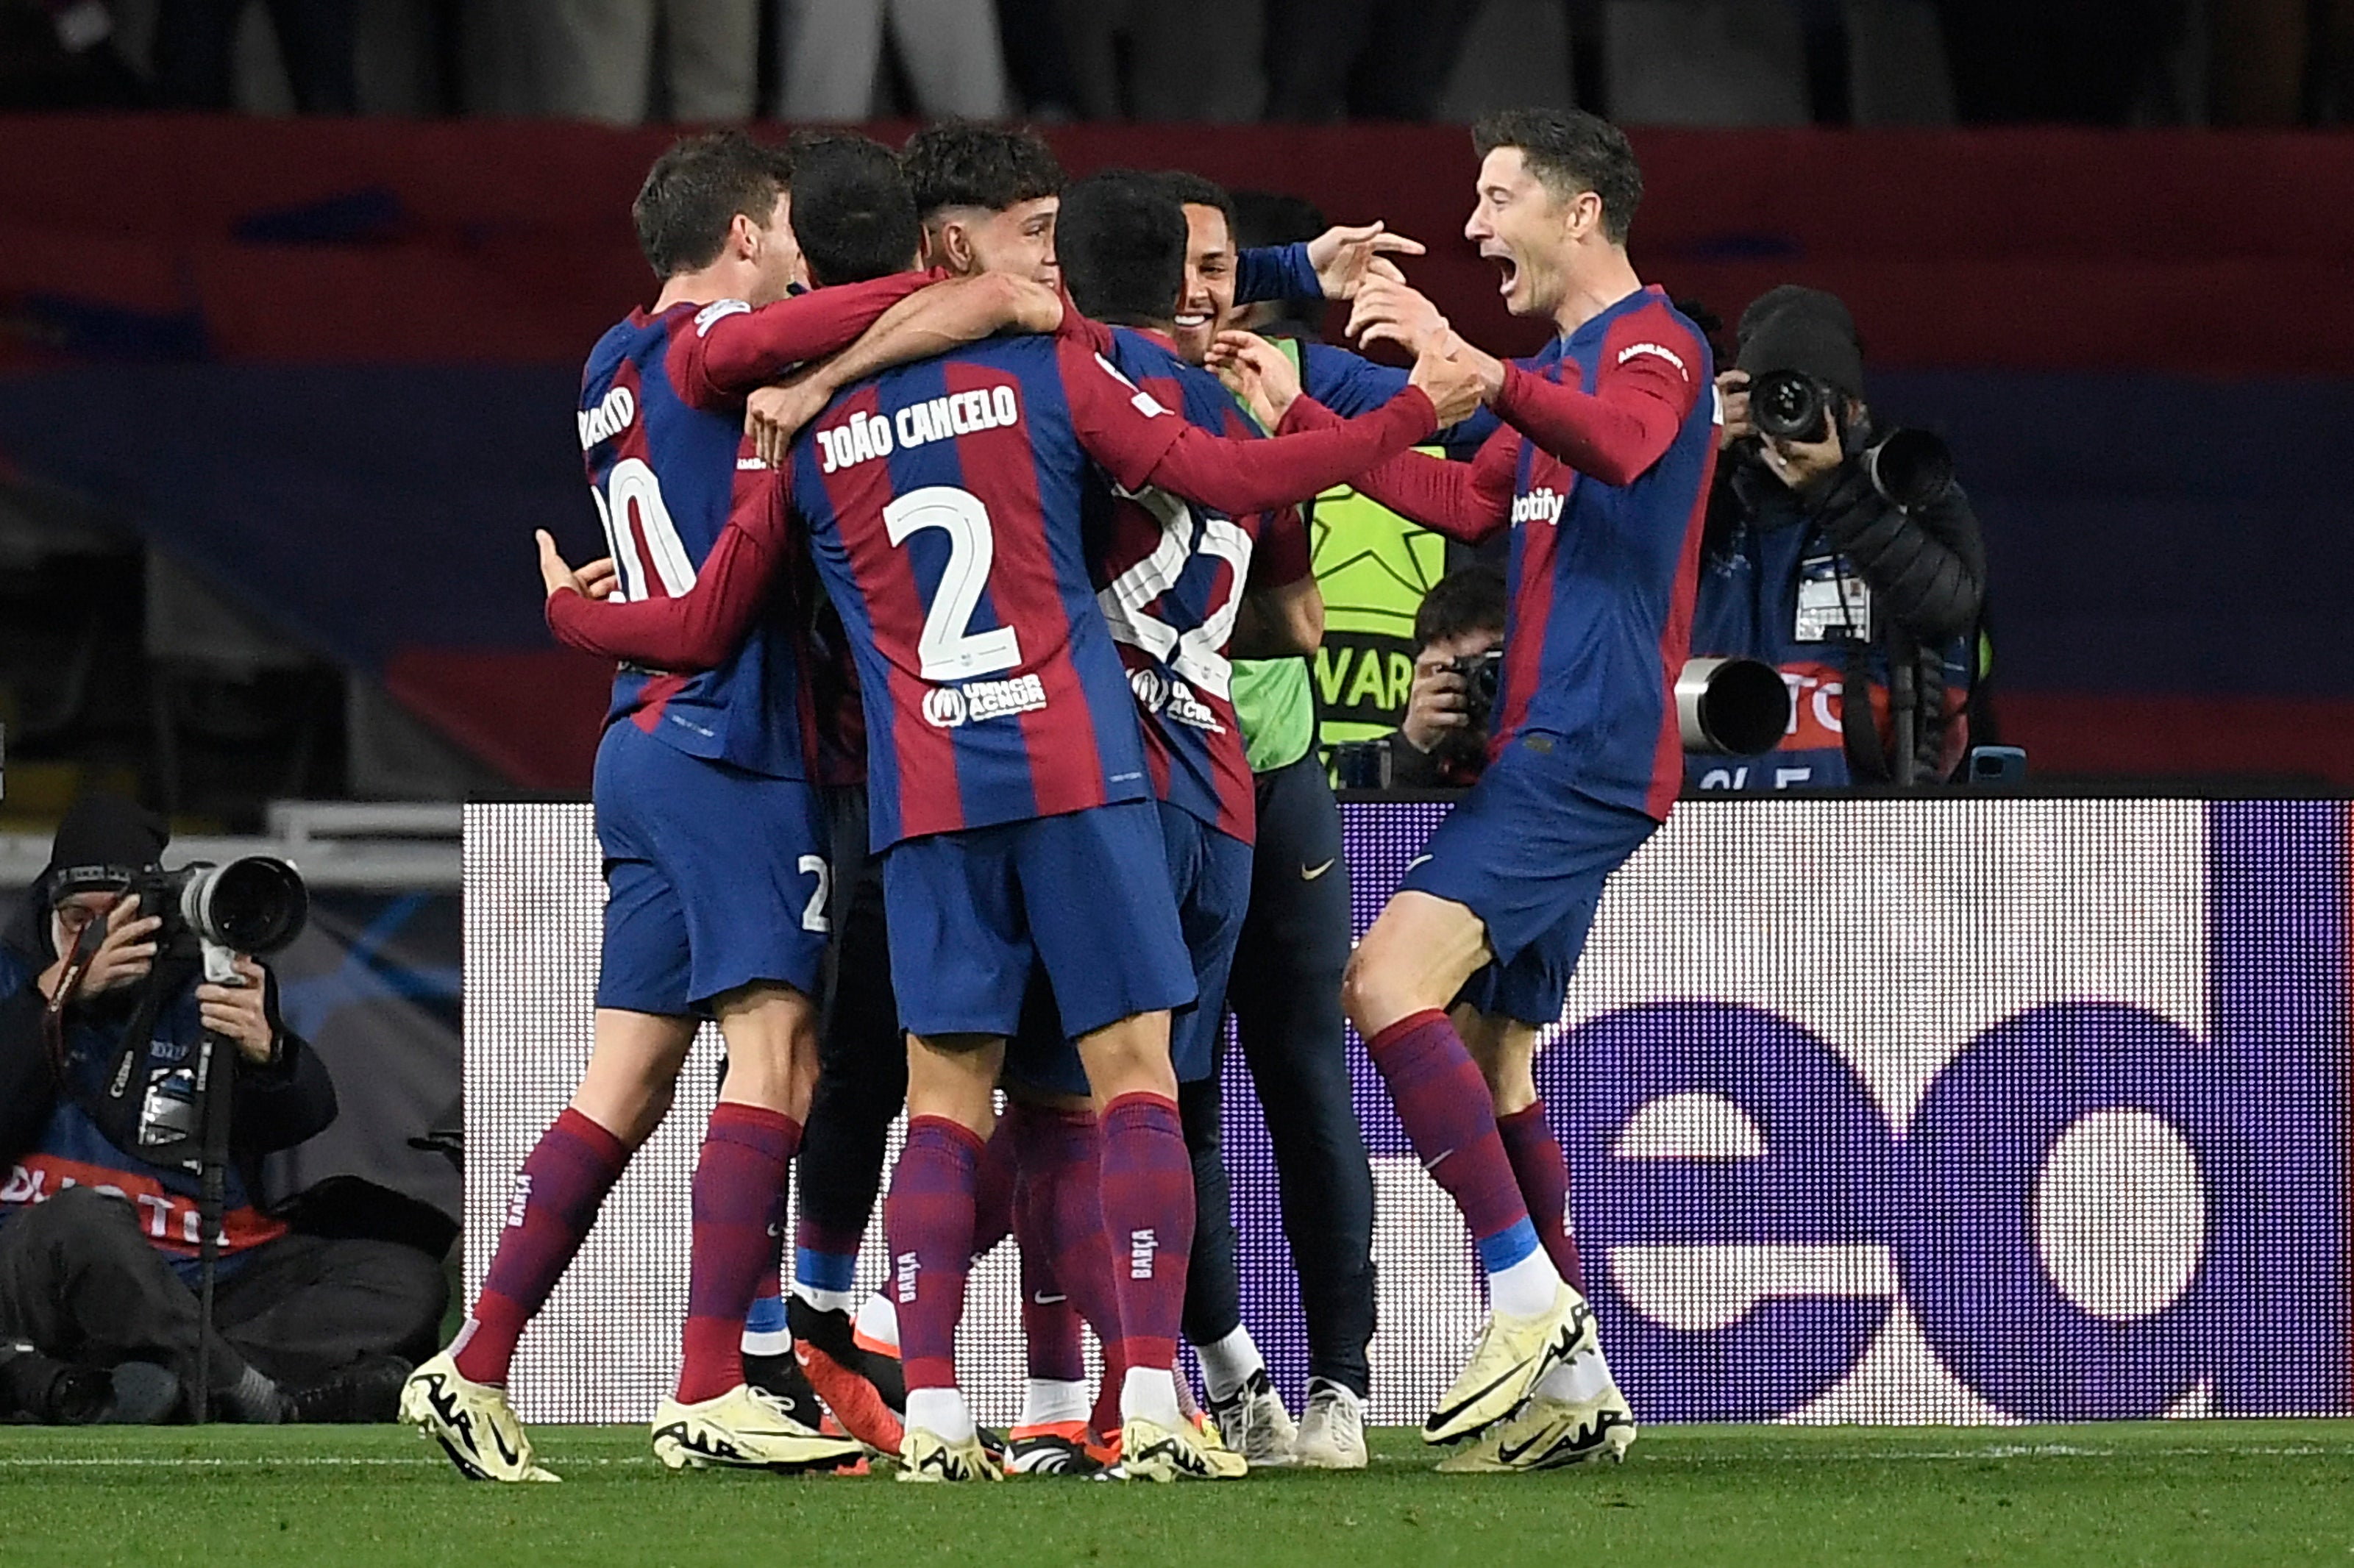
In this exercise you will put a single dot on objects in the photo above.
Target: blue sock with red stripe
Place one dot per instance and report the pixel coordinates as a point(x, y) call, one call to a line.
point(1450, 1118)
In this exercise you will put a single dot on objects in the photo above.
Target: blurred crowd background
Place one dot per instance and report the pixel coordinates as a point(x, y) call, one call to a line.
point(2270, 63)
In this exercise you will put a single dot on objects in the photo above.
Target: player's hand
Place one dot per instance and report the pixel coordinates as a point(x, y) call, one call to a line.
point(774, 414)
point(1258, 373)
point(1345, 256)
point(1387, 311)
point(1437, 702)
point(1447, 372)
point(596, 581)
point(1733, 387)
point(124, 955)
point(237, 1012)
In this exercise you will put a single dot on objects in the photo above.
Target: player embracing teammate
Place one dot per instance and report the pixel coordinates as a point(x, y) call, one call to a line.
point(943, 505)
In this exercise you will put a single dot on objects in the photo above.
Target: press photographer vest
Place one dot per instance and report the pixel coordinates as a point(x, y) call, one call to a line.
point(1747, 606)
point(74, 1150)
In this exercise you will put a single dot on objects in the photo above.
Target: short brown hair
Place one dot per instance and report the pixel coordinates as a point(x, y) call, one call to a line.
point(693, 192)
point(1571, 152)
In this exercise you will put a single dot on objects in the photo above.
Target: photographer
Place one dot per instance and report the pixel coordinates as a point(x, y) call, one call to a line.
point(1442, 743)
point(102, 1012)
point(1812, 566)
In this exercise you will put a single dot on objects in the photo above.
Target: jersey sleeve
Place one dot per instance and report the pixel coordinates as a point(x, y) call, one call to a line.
point(1642, 392)
point(1463, 501)
point(731, 348)
point(1124, 428)
point(697, 629)
point(1349, 383)
point(1090, 334)
point(1257, 475)
point(1276, 272)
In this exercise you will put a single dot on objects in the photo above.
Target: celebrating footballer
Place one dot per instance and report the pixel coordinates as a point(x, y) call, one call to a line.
point(939, 507)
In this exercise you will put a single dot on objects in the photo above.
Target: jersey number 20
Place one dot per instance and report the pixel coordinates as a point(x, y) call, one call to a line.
point(632, 492)
point(948, 647)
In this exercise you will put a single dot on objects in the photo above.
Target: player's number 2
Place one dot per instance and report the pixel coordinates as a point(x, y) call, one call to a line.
point(814, 917)
point(948, 647)
point(632, 491)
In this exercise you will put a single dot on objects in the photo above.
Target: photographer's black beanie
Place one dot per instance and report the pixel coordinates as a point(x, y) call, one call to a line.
point(102, 838)
point(1804, 330)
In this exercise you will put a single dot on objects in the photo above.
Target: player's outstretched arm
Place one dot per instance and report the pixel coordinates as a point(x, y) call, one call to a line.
point(946, 316)
point(698, 630)
point(1141, 443)
point(1333, 264)
point(1278, 622)
point(1463, 501)
point(732, 347)
point(1261, 375)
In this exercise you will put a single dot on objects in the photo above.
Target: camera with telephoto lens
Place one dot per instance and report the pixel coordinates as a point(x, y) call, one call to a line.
point(1481, 673)
point(254, 904)
point(1908, 467)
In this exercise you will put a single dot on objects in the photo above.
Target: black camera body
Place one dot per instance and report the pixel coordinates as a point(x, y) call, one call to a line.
point(254, 904)
point(1482, 673)
point(1909, 468)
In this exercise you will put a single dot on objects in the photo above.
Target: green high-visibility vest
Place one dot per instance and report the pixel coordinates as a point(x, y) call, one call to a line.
point(1373, 567)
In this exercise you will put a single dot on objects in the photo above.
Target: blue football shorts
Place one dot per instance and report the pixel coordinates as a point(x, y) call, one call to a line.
point(715, 877)
point(1528, 852)
point(1209, 874)
point(1083, 896)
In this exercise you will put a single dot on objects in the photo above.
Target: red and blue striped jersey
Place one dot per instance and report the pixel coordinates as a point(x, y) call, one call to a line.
point(1601, 471)
point(661, 425)
point(1172, 575)
point(1603, 575)
point(945, 506)
point(669, 465)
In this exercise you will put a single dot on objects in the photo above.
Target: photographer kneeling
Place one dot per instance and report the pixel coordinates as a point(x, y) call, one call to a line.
point(1841, 555)
point(103, 1010)
point(1459, 637)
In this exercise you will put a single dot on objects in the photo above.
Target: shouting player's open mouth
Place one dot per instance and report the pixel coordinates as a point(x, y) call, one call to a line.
point(1497, 252)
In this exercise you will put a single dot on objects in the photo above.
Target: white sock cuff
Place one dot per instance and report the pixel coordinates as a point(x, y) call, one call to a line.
point(767, 1341)
point(1524, 1289)
point(826, 1300)
point(1227, 1364)
point(1051, 1402)
point(942, 1411)
point(1150, 1394)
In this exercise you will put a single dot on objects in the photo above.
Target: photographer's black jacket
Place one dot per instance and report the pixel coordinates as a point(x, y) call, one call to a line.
point(49, 1137)
point(1926, 572)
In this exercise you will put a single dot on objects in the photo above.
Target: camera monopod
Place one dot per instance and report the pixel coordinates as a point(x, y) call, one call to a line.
point(215, 1059)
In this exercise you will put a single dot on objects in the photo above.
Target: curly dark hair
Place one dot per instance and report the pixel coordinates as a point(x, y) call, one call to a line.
point(958, 163)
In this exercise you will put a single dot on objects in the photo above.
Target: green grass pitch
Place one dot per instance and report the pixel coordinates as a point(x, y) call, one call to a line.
point(2187, 1492)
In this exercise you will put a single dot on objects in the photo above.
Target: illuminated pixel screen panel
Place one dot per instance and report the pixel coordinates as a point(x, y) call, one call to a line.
point(1933, 1111)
